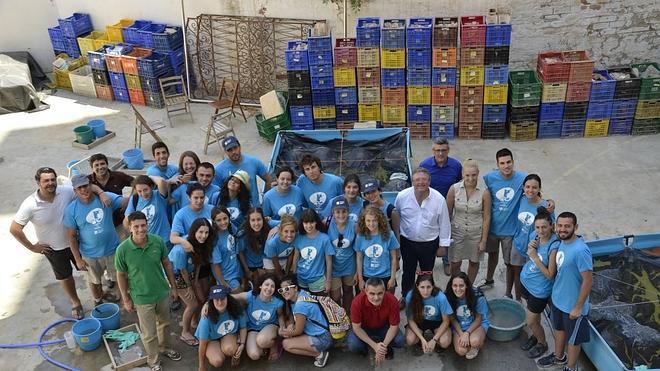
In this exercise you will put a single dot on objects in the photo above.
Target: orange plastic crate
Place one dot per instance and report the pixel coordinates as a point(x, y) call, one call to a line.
point(444, 57)
point(469, 130)
point(443, 95)
point(472, 56)
point(104, 92)
point(471, 95)
point(113, 62)
point(129, 61)
point(368, 76)
point(393, 96)
point(419, 130)
point(136, 96)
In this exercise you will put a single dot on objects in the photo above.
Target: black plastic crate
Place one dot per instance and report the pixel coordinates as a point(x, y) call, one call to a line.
point(492, 130)
point(100, 77)
point(496, 55)
point(522, 114)
point(575, 110)
point(627, 88)
point(300, 97)
point(298, 79)
point(646, 126)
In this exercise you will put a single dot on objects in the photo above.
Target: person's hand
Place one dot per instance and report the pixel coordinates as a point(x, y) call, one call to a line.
point(464, 340)
point(175, 180)
point(81, 264)
point(551, 206)
point(185, 178)
point(575, 313)
point(482, 245)
point(187, 246)
point(378, 359)
point(105, 200)
point(391, 283)
point(236, 359)
point(128, 305)
point(42, 248)
point(205, 310)
point(174, 294)
point(381, 348)
point(361, 283)
point(328, 286)
point(441, 251)
point(426, 346)
point(532, 253)
point(533, 244)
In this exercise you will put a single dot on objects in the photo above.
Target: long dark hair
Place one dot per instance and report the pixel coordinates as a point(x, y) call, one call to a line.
point(309, 216)
point(417, 301)
point(234, 308)
point(256, 240)
point(292, 279)
point(218, 210)
point(201, 254)
point(470, 298)
point(243, 196)
point(195, 158)
point(256, 289)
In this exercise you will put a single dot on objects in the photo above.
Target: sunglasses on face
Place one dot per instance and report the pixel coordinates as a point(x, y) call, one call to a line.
point(284, 289)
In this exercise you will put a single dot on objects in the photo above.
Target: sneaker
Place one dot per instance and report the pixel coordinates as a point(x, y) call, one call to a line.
point(472, 353)
point(551, 361)
point(537, 350)
point(172, 354)
point(566, 368)
point(390, 353)
point(486, 284)
point(529, 344)
point(157, 367)
point(321, 359)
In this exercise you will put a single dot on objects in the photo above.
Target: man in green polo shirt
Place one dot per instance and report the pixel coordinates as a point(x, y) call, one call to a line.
point(140, 261)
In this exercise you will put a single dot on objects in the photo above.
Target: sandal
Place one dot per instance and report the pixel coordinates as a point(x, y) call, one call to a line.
point(192, 342)
point(77, 312)
point(274, 357)
point(172, 354)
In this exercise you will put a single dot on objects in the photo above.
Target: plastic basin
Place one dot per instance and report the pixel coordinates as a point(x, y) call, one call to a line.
point(98, 128)
point(108, 315)
point(133, 158)
point(88, 333)
point(507, 318)
point(84, 134)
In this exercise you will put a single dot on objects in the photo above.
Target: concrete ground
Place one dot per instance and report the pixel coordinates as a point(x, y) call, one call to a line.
point(610, 183)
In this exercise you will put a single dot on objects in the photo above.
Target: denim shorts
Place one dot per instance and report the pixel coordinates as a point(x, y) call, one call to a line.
point(320, 342)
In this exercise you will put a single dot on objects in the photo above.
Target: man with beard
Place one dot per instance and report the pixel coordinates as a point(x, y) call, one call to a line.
point(109, 181)
point(205, 174)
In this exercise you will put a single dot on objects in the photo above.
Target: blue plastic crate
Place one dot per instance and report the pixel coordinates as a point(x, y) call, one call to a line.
point(497, 74)
point(346, 96)
point(602, 90)
point(494, 113)
point(549, 129)
point(551, 111)
point(296, 60)
point(441, 76)
point(393, 77)
point(393, 34)
point(121, 95)
point(498, 35)
point(154, 65)
point(445, 131)
point(146, 34)
point(179, 70)
point(418, 58)
point(572, 128)
point(97, 59)
point(368, 32)
point(419, 77)
point(319, 57)
point(620, 126)
point(319, 43)
point(347, 113)
point(56, 37)
point(623, 108)
point(170, 39)
point(76, 25)
point(419, 113)
point(71, 47)
point(325, 124)
point(323, 82)
point(599, 110)
point(150, 84)
point(419, 33)
point(131, 34)
point(117, 80)
point(177, 57)
point(301, 115)
point(323, 97)
point(321, 70)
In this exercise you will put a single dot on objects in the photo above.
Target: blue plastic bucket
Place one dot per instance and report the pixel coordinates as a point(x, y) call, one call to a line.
point(88, 333)
point(134, 159)
point(108, 315)
point(98, 127)
point(69, 165)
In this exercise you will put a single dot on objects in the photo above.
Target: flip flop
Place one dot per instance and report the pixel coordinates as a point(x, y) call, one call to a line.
point(77, 312)
point(276, 356)
point(192, 342)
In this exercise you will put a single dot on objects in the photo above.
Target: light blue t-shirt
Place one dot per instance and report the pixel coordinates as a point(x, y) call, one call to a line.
point(526, 214)
point(343, 262)
point(235, 214)
point(465, 317)
point(252, 165)
point(225, 253)
point(311, 263)
point(167, 173)
point(434, 306)
point(572, 259)
point(259, 313)
point(275, 204)
point(312, 313)
point(208, 330)
point(376, 254)
point(318, 195)
point(155, 209)
point(531, 276)
point(97, 236)
point(211, 194)
point(353, 208)
point(180, 260)
point(185, 217)
point(506, 194)
point(277, 248)
point(253, 259)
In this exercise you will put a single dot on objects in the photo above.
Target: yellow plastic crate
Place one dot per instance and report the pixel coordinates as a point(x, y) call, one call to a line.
point(345, 76)
point(369, 95)
point(596, 128)
point(553, 92)
point(368, 57)
point(472, 76)
point(62, 79)
point(394, 114)
point(133, 81)
point(91, 42)
point(324, 112)
point(369, 112)
point(393, 58)
point(114, 31)
point(496, 94)
point(648, 109)
point(521, 131)
point(417, 95)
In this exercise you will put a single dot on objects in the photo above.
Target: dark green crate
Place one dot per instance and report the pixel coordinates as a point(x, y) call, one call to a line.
point(645, 127)
point(268, 129)
point(650, 86)
point(524, 88)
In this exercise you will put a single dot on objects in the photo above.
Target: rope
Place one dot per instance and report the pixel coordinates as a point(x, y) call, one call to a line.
point(624, 304)
point(619, 281)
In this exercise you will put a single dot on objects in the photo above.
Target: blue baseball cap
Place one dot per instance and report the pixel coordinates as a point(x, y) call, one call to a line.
point(229, 143)
point(370, 185)
point(340, 203)
point(218, 292)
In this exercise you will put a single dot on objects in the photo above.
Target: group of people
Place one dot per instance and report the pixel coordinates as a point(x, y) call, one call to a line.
point(253, 270)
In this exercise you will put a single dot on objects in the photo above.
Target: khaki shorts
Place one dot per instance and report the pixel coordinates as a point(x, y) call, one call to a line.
point(338, 282)
point(509, 256)
point(315, 286)
point(96, 267)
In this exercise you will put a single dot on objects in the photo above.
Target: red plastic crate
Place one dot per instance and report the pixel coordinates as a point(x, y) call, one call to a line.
point(345, 53)
point(345, 125)
point(552, 67)
point(136, 96)
point(471, 95)
point(419, 130)
point(473, 30)
point(368, 76)
point(580, 66)
point(578, 91)
point(469, 130)
point(113, 63)
point(473, 56)
point(443, 95)
point(104, 92)
point(470, 113)
point(393, 96)
point(349, 42)
point(129, 61)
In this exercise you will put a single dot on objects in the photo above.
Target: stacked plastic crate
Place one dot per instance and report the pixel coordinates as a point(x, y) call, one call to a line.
point(368, 68)
point(626, 92)
point(300, 88)
point(647, 114)
point(471, 91)
point(600, 104)
point(578, 90)
point(419, 35)
point(346, 83)
point(113, 57)
point(443, 81)
point(553, 72)
point(524, 104)
point(129, 64)
point(393, 64)
point(319, 49)
point(64, 37)
point(100, 74)
point(496, 77)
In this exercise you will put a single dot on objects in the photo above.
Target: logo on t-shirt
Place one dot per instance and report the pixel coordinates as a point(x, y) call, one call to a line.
point(560, 259)
point(533, 268)
point(95, 218)
point(429, 311)
point(463, 313)
point(345, 243)
point(353, 217)
point(286, 252)
point(234, 212)
point(260, 315)
point(505, 194)
point(149, 211)
point(226, 327)
point(526, 218)
point(308, 254)
point(318, 199)
point(374, 251)
point(231, 244)
point(288, 209)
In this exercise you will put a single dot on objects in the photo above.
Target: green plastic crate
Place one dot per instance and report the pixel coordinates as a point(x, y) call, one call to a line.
point(646, 126)
point(268, 128)
point(650, 87)
point(524, 88)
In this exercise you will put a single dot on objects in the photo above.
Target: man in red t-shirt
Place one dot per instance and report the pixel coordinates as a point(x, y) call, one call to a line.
point(375, 318)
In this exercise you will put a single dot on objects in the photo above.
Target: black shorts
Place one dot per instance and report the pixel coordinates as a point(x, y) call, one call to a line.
point(427, 325)
point(61, 261)
point(534, 304)
point(577, 330)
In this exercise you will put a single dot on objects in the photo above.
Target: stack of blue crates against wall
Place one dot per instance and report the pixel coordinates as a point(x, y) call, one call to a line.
point(64, 37)
point(496, 73)
point(393, 72)
point(600, 104)
point(346, 83)
point(322, 80)
point(368, 69)
point(300, 88)
point(443, 80)
point(624, 103)
point(419, 35)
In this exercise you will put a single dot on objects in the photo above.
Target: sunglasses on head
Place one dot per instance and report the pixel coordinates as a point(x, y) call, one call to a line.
point(284, 289)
